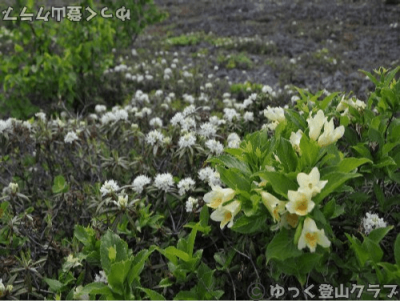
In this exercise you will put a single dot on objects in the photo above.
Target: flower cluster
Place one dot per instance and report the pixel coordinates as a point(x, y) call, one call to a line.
point(371, 222)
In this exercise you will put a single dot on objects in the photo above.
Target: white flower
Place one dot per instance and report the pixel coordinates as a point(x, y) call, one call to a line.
point(218, 196)
point(107, 118)
point(78, 295)
point(215, 146)
point(230, 114)
point(185, 185)
point(140, 182)
point(371, 222)
point(299, 203)
point(101, 277)
point(210, 176)
point(310, 184)
point(266, 89)
point(187, 140)
point(178, 118)
point(315, 124)
point(13, 187)
point(121, 114)
point(295, 139)
point(156, 122)
point(274, 206)
point(122, 201)
point(189, 110)
point(226, 214)
point(207, 130)
point(5, 125)
point(216, 121)
point(205, 173)
point(154, 137)
point(190, 203)
point(188, 124)
point(41, 116)
point(100, 109)
point(70, 137)
point(164, 181)
point(330, 134)
point(108, 187)
point(167, 71)
point(275, 114)
point(311, 236)
point(248, 116)
point(233, 140)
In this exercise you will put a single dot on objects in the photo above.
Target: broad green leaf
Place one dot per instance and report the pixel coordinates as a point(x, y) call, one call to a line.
point(247, 225)
point(234, 179)
point(309, 151)
point(112, 240)
point(378, 234)
point(186, 295)
point(59, 184)
point(153, 295)
point(95, 288)
point(138, 263)
point(335, 180)
point(280, 182)
point(361, 253)
point(118, 274)
point(231, 162)
point(54, 285)
point(282, 247)
point(287, 155)
point(374, 250)
point(178, 253)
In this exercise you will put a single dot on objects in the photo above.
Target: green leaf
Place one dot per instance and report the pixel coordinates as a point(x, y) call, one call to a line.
point(84, 235)
point(95, 288)
point(378, 234)
point(326, 101)
point(309, 151)
point(349, 164)
point(118, 274)
point(138, 263)
point(178, 253)
point(332, 210)
point(59, 185)
point(287, 155)
point(54, 285)
point(231, 162)
point(112, 240)
point(371, 77)
point(335, 180)
point(234, 179)
point(247, 225)
point(361, 253)
point(282, 247)
point(397, 250)
point(279, 181)
point(153, 295)
point(374, 250)
point(379, 194)
point(186, 295)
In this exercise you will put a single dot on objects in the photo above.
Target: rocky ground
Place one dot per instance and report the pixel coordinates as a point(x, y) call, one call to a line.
point(318, 44)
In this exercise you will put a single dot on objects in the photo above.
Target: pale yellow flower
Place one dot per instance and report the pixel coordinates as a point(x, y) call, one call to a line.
point(295, 139)
point(226, 214)
point(311, 236)
point(218, 196)
point(289, 219)
point(299, 203)
point(274, 206)
point(315, 124)
point(310, 184)
point(330, 135)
